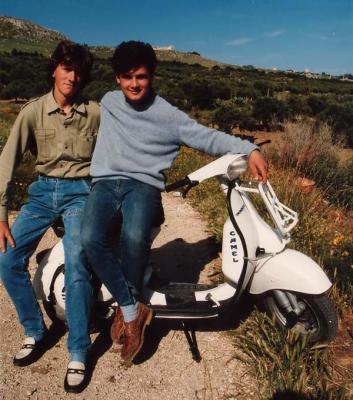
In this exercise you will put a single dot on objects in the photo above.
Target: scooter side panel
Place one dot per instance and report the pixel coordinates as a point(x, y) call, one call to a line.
point(233, 251)
point(289, 270)
point(222, 292)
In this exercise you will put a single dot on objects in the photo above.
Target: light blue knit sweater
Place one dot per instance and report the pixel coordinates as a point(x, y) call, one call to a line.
point(140, 143)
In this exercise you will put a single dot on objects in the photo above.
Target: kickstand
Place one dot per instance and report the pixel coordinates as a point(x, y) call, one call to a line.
point(191, 338)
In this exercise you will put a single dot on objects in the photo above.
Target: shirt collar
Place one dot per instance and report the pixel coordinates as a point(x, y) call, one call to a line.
point(50, 103)
point(52, 106)
point(79, 106)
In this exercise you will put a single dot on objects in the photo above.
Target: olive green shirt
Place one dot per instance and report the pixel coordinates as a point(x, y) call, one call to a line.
point(63, 144)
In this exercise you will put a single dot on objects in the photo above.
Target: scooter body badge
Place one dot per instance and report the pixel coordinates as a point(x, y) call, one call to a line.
point(233, 244)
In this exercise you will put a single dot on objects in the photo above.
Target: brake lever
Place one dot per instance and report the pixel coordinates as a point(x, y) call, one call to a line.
point(264, 142)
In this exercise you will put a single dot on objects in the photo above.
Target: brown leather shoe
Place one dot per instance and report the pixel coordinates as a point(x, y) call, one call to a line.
point(117, 328)
point(134, 333)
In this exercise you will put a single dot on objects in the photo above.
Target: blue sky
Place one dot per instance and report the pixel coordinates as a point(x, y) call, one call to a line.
point(286, 34)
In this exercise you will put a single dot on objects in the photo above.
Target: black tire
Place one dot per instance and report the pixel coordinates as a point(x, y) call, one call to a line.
point(57, 317)
point(100, 315)
point(54, 312)
point(318, 318)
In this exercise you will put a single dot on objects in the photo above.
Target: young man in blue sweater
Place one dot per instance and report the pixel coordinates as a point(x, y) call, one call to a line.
point(140, 135)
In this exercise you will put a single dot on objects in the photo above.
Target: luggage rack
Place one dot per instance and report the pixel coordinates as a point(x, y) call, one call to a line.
point(283, 217)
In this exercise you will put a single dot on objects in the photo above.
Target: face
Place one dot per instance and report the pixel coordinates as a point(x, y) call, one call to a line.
point(66, 81)
point(135, 84)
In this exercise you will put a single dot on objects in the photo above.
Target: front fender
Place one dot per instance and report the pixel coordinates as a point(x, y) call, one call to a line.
point(289, 270)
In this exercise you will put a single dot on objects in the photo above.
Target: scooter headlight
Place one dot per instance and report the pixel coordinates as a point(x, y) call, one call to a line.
point(236, 168)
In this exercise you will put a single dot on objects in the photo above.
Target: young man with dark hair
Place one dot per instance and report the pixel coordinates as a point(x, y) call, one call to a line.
point(75, 56)
point(60, 128)
point(140, 135)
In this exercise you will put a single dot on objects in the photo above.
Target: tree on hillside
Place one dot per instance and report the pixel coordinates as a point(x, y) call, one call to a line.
point(229, 115)
point(340, 118)
point(202, 93)
point(296, 105)
point(13, 90)
point(316, 104)
point(264, 87)
point(268, 111)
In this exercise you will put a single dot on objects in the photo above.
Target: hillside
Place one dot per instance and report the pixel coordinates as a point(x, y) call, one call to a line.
point(27, 36)
point(229, 96)
point(164, 55)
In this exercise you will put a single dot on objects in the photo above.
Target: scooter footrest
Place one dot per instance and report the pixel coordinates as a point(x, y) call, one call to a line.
point(183, 294)
point(187, 310)
point(181, 289)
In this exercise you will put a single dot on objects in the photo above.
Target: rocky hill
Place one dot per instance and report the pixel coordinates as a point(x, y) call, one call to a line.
point(27, 36)
point(20, 29)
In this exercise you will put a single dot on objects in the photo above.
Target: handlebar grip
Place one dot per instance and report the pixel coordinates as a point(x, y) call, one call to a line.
point(177, 184)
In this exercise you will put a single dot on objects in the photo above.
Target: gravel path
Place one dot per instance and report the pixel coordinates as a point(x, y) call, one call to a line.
point(165, 368)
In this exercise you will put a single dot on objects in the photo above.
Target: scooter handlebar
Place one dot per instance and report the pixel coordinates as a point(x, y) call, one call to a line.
point(178, 184)
point(231, 164)
point(186, 183)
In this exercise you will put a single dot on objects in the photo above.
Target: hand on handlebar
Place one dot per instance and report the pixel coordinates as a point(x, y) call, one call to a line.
point(5, 236)
point(258, 166)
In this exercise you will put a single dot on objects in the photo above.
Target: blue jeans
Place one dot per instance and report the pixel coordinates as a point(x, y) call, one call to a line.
point(140, 206)
point(50, 199)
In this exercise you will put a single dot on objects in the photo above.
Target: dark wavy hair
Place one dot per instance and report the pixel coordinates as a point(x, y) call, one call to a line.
point(73, 55)
point(134, 54)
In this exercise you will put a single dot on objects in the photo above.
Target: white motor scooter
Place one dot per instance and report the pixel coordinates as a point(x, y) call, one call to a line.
point(255, 260)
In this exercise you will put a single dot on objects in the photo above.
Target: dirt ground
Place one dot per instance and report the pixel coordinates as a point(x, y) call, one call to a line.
point(165, 368)
point(342, 347)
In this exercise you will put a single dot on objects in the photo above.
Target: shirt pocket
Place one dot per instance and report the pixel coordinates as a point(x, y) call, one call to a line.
point(85, 145)
point(46, 143)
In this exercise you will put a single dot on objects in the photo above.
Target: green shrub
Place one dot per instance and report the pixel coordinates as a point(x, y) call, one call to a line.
point(234, 113)
point(340, 118)
point(316, 104)
point(296, 105)
point(268, 111)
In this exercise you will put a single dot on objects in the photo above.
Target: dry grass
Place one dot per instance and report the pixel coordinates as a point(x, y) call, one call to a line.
point(283, 362)
point(5, 127)
point(302, 142)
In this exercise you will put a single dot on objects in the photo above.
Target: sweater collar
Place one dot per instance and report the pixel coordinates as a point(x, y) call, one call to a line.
point(143, 105)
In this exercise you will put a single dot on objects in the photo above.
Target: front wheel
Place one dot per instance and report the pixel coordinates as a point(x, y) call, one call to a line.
point(315, 315)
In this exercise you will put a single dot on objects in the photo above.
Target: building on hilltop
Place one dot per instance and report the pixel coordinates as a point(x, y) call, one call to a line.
point(165, 48)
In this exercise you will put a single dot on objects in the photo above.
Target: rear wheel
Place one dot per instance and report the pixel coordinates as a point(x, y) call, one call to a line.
point(55, 306)
point(316, 317)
